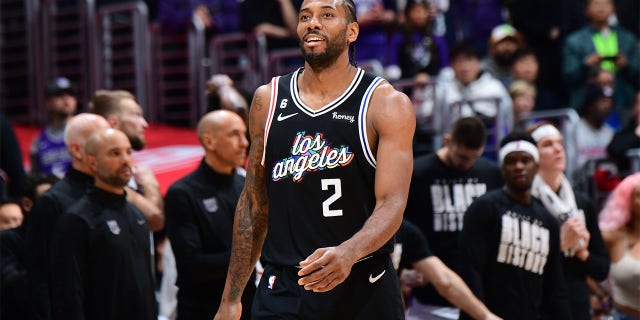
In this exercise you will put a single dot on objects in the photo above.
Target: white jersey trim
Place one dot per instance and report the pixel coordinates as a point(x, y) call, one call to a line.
point(362, 121)
point(293, 87)
point(272, 108)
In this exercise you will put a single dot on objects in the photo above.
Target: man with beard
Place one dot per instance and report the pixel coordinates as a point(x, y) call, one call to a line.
point(123, 112)
point(47, 210)
point(100, 250)
point(510, 243)
point(328, 177)
point(505, 40)
point(48, 151)
point(443, 185)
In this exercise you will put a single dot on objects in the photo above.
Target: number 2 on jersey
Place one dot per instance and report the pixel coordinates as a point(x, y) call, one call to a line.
point(337, 193)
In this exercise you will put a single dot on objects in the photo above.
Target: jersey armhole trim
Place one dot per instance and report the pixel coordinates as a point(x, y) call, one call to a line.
point(272, 108)
point(362, 121)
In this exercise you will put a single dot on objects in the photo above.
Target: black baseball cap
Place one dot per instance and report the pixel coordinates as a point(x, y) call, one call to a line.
point(58, 86)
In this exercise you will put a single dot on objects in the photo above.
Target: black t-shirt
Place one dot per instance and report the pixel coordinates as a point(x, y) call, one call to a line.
point(412, 243)
point(511, 258)
point(438, 198)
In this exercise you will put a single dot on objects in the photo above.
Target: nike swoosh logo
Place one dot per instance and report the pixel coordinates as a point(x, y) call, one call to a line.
point(282, 118)
point(373, 279)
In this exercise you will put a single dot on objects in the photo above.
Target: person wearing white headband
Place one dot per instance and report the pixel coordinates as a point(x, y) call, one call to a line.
point(510, 243)
point(580, 239)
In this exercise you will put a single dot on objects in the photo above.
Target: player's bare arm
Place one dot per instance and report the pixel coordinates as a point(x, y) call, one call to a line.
point(452, 288)
point(250, 223)
point(391, 125)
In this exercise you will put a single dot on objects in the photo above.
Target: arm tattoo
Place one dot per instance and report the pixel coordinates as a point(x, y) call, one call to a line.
point(250, 225)
point(257, 102)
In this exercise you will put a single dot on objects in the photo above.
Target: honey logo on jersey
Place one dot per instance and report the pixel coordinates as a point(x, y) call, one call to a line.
point(310, 153)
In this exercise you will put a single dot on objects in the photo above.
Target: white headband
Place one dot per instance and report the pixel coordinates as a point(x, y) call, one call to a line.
point(519, 145)
point(545, 131)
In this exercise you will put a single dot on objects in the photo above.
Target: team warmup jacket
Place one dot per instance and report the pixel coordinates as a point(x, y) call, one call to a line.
point(101, 261)
point(200, 209)
point(40, 225)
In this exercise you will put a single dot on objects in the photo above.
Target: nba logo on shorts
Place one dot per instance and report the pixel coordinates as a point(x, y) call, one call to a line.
point(272, 279)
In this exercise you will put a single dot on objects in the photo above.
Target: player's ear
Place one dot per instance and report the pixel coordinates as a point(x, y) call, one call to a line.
point(353, 29)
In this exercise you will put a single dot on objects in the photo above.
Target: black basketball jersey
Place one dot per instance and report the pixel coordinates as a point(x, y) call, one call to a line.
point(319, 169)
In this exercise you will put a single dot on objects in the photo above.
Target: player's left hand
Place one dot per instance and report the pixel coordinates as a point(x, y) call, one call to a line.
point(325, 268)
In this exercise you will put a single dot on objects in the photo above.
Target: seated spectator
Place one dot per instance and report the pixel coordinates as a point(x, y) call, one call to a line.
point(593, 134)
point(525, 67)
point(627, 138)
point(471, 91)
point(524, 96)
point(48, 151)
point(600, 45)
point(419, 53)
point(505, 40)
point(219, 16)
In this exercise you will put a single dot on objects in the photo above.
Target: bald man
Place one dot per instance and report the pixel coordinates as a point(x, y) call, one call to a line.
point(200, 208)
point(101, 262)
point(50, 206)
point(123, 112)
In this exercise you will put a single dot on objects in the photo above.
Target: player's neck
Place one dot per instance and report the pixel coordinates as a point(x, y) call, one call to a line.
point(318, 88)
point(337, 73)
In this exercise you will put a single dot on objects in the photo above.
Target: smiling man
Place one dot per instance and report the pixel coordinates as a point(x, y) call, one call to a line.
point(328, 177)
point(510, 243)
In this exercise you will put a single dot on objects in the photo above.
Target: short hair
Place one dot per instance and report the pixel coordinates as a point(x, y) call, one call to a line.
point(35, 179)
point(469, 132)
point(515, 136)
point(107, 102)
point(463, 49)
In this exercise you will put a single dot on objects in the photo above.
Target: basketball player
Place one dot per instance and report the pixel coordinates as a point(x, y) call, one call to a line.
point(328, 177)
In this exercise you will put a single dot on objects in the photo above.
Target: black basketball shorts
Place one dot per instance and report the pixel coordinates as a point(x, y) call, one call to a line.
point(370, 292)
